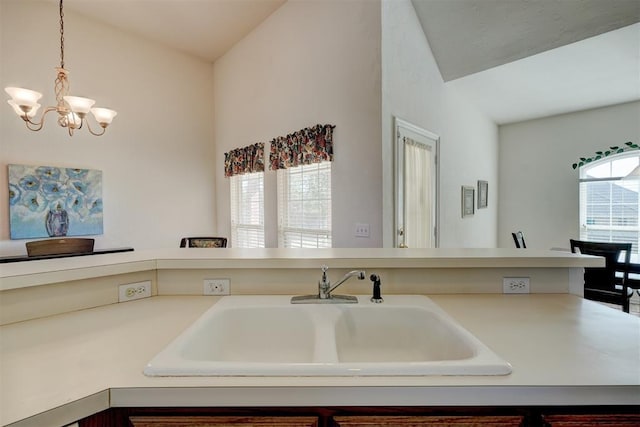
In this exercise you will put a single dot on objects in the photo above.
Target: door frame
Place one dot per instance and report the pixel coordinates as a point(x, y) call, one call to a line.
point(400, 125)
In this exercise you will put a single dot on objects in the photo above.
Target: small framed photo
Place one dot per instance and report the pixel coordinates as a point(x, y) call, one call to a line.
point(468, 200)
point(483, 188)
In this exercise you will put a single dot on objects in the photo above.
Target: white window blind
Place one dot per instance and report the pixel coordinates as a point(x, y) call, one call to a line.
point(609, 201)
point(247, 210)
point(304, 206)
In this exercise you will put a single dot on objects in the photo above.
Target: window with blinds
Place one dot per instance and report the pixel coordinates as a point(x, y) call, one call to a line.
point(304, 206)
point(609, 201)
point(247, 210)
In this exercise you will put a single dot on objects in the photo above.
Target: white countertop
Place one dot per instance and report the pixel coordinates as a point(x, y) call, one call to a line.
point(564, 351)
point(35, 273)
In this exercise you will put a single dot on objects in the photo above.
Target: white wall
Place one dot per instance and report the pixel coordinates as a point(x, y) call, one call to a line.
point(310, 62)
point(157, 157)
point(413, 90)
point(539, 188)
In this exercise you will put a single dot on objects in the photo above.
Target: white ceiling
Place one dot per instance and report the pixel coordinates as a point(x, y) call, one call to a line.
point(515, 59)
point(519, 60)
point(596, 72)
point(203, 28)
point(468, 36)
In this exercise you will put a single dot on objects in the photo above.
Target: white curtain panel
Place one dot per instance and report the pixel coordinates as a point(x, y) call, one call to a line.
point(418, 198)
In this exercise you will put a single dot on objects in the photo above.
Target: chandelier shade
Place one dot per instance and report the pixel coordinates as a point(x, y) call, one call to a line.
point(103, 115)
point(79, 105)
point(32, 110)
point(72, 110)
point(25, 99)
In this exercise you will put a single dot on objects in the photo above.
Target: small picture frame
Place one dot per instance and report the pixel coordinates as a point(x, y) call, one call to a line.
point(468, 201)
point(483, 189)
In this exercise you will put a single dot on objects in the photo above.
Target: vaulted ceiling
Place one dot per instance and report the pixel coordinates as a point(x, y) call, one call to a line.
point(515, 59)
point(203, 28)
point(519, 59)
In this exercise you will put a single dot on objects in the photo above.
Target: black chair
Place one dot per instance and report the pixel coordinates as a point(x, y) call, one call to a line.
point(518, 239)
point(203, 242)
point(608, 284)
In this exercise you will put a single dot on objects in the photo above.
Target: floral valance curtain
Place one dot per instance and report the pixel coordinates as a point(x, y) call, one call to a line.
point(311, 145)
point(306, 146)
point(244, 160)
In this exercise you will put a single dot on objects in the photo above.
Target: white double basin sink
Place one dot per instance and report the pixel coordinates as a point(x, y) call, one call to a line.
point(269, 336)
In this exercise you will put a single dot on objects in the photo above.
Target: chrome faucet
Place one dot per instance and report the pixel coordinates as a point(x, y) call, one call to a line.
point(325, 290)
point(324, 286)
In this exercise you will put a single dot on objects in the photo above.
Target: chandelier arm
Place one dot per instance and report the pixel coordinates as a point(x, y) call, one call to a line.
point(36, 126)
point(104, 128)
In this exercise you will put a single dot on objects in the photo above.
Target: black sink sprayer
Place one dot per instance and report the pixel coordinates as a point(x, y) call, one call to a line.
point(376, 298)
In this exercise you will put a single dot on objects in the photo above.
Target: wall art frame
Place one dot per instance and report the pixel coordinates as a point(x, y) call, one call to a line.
point(468, 200)
point(483, 194)
point(52, 201)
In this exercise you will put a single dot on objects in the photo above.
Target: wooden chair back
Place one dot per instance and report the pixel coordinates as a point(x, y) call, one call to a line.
point(203, 242)
point(518, 239)
point(608, 284)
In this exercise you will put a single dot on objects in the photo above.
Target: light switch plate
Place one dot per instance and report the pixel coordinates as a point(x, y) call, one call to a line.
point(362, 230)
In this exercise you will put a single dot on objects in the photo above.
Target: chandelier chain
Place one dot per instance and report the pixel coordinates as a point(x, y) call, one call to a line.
point(61, 86)
point(61, 36)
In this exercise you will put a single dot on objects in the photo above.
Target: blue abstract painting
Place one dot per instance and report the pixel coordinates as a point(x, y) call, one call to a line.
point(48, 201)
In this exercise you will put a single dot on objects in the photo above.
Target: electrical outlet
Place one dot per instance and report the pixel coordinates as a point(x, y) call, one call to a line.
point(217, 286)
point(133, 291)
point(515, 285)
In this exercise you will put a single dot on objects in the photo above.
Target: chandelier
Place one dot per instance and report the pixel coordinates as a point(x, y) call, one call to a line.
point(72, 110)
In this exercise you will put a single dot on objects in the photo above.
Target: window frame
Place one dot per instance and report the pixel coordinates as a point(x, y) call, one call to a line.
point(589, 231)
point(322, 235)
point(236, 207)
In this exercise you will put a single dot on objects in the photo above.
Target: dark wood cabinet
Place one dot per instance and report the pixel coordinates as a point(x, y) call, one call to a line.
point(534, 416)
point(440, 421)
point(588, 420)
point(221, 421)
